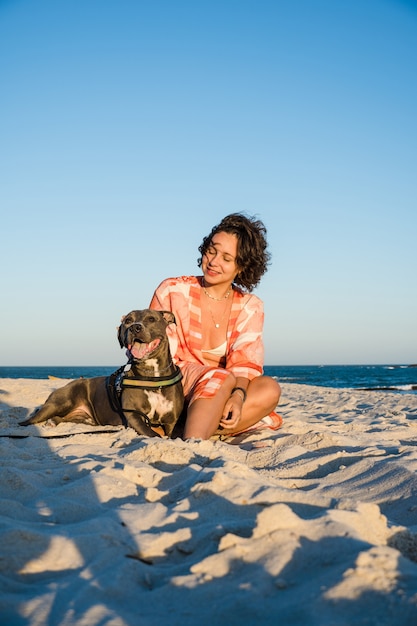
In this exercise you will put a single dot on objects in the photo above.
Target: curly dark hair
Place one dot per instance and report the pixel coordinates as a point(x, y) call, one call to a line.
point(252, 255)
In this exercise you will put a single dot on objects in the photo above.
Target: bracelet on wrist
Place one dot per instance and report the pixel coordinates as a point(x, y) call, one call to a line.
point(243, 392)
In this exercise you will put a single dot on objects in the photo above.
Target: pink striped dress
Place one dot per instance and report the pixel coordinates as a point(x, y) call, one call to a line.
point(244, 352)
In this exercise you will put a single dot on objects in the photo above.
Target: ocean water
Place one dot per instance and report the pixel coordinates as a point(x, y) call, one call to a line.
point(400, 378)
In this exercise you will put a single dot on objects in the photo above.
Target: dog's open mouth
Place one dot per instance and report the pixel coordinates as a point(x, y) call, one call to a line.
point(140, 350)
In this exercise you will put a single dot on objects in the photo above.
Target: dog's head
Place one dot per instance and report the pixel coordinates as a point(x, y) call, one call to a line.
point(142, 332)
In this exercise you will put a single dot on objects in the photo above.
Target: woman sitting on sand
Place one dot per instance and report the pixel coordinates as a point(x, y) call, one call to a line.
point(217, 340)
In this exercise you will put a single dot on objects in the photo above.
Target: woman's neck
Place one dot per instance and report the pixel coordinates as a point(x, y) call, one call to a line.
point(216, 292)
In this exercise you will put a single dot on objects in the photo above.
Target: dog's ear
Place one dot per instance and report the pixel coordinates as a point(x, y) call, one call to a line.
point(119, 333)
point(169, 317)
point(119, 336)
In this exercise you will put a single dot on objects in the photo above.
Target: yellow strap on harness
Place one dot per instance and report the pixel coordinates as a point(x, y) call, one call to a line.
point(152, 382)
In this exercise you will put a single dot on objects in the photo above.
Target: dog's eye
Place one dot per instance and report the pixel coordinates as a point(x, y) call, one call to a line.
point(151, 319)
point(127, 320)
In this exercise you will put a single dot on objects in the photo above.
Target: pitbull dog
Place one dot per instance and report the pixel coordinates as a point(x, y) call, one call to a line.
point(145, 394)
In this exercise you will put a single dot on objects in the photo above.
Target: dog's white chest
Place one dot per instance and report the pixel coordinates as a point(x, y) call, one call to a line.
point(159, 404)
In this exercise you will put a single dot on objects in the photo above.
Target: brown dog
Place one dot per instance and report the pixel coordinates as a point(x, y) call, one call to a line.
point(145, 394)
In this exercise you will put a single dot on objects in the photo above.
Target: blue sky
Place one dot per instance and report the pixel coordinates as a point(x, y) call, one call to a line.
point(129, 128)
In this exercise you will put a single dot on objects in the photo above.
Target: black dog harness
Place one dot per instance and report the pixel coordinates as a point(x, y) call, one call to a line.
point(117, 382)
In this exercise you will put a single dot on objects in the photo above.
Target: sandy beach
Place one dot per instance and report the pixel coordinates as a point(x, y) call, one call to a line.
point(314, 524)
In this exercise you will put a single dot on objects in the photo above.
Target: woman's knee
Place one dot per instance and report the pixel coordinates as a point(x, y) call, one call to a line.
point(268, 388)
point(277, 389)
point(272, 390)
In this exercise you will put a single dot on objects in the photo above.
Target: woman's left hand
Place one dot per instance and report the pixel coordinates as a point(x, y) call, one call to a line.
point(232, 412)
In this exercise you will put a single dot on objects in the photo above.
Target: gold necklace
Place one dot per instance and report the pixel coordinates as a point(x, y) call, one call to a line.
point(217, 324)
point(213, 297)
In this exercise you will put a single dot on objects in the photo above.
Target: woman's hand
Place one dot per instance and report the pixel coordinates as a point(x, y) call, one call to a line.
point(232, 412)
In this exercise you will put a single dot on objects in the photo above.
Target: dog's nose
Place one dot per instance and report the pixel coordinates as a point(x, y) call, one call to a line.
point(136, 327)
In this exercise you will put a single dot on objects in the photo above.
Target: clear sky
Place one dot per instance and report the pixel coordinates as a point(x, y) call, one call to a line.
point(128, 128)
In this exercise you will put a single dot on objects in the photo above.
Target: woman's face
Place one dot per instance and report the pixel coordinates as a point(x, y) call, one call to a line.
point(219, 262)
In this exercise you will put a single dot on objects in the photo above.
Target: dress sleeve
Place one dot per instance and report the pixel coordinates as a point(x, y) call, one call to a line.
point(162, 301)
point(246, 352)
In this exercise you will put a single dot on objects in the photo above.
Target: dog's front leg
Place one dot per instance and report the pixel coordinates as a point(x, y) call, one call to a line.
point(138, 423)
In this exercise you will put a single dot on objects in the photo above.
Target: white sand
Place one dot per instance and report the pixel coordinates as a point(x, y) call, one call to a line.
point(312, 525)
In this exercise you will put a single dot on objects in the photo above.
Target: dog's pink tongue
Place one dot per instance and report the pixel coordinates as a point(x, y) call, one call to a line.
point(140, 350)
